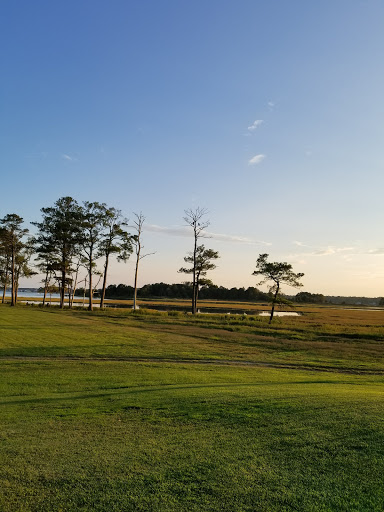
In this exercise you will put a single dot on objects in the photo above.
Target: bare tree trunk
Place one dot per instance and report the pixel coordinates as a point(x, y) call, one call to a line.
point(194, 308)
point(104, 281)
point(16, 290)
point(90, 301)
point(62, 289)
point(274, 302)
point(73, 294)
point(45, 287)
point(72, 298)
point(5, 286)
point(196, 296)
point(136, 273)
point(16, 287)
point(85, 286)
point(13, 278)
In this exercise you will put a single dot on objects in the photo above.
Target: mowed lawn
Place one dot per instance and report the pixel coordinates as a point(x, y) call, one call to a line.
point(122, 412)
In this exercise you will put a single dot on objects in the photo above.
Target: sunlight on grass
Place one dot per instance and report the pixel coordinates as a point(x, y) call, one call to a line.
point(84, 426)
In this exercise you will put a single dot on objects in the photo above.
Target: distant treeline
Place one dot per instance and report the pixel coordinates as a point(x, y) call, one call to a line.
point(183, 291)
point(319, 298)
point(213, 292)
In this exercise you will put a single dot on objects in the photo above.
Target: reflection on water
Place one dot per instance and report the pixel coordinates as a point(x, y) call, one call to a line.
point(279, 313)
point(36, 295)
point(206, 311)
point(23, 295)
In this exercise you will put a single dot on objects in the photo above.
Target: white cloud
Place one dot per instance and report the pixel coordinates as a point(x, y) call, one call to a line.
point(234, 238)
point(253, 126)
point(186, 231)
point(271, 104)
point(324, 251)
point(380, 250)
point(300, 244)
point(331, 250)
point(345, 252)
point(69, 158)
point(256, 159)
point(175, 231)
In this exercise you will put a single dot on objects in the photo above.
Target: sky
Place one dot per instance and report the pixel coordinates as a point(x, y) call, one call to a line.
point(267, 114)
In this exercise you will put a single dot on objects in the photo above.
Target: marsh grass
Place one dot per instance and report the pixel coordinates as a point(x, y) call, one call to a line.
point(85, 427)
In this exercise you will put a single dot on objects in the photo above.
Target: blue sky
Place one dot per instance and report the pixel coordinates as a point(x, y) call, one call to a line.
point(268, 114)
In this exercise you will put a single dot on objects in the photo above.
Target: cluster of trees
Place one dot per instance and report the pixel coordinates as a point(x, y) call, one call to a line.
point(310, 298)
point(69, 237)
point(184, 291)
point(73, 236)
point(16, 250)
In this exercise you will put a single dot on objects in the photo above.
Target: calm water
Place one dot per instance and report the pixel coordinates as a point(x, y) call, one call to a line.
point(33, 295)
point(279, 313)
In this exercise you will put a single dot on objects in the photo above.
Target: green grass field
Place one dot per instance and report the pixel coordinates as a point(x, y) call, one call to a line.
point(123, 411)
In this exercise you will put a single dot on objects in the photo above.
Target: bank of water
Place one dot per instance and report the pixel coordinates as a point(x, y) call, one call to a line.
point(26, 297)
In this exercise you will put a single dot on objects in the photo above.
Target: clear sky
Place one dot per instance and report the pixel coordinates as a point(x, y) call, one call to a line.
point(268, 114)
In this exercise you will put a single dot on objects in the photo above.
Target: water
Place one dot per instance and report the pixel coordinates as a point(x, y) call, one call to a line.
point(33, 295)
point(279, 313)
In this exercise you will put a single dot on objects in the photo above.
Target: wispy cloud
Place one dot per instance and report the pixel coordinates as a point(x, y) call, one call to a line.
point(256, 159)
point(300, 244)
point(186, 231)
point(346, 252)
point(271, 104)
point(69, 158)
point(256, 123)
point(327, 251)
point(323, 251)
point(174, 231)
point(234, 238)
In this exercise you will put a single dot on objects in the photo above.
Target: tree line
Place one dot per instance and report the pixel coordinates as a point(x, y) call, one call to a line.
point(183, 291)
point(72, 237)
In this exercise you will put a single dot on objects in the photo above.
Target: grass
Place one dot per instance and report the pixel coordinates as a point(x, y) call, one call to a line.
point(115, 410)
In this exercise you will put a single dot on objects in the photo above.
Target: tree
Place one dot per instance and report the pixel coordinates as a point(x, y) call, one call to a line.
point(93, 226)
point(138, 247)
point(201, 261)
point(5, 257)
point(61, 232)
point(278, 273)
point(116, 240)
point(45, 263)
point(22, 268)
point(16, 252)
point(195, 219)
